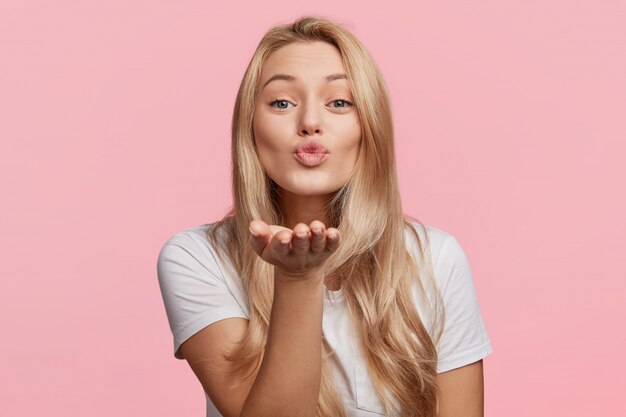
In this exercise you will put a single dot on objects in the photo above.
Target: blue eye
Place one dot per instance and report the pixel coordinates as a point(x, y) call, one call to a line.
point(346, 102)
point(282, 104)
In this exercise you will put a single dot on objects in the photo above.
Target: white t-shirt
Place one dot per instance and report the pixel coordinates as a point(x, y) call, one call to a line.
point(198, 290)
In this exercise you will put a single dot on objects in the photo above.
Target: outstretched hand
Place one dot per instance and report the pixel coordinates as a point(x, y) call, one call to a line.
point(297, 254)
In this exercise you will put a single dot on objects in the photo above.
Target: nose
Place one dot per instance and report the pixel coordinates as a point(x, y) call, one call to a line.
point(310, 121)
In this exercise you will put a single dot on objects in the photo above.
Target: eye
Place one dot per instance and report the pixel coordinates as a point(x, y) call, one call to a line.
point(342, 104)
point(282, 104)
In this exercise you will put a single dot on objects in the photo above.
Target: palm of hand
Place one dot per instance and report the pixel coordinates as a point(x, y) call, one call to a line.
point(295, 253)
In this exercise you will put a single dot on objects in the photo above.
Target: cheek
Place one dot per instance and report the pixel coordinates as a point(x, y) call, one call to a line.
point(260, 127)
point(257, 125)
point(269, 146)
point(267, 132)
point(352, 133)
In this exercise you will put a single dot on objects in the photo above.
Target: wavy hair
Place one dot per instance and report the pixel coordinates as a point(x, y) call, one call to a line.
point(379, 276)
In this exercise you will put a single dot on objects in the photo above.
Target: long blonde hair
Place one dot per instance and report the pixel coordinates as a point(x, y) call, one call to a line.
point(379, 273)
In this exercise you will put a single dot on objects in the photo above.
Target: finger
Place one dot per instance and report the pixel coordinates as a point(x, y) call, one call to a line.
point(259, 235)
point(318, 241)
point(333, 239)
point(281, 242)
point(300, 242)
point(275, 229)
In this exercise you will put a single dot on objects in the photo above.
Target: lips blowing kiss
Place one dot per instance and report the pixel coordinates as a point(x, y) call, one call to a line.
point(311, 153)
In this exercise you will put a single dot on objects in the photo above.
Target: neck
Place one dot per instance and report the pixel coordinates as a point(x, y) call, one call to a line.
point(304, 208)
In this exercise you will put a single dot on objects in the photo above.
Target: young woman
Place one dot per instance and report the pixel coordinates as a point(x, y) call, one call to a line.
point(315, 295)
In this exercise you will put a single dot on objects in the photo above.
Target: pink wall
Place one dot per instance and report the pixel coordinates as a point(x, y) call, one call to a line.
point(114, 127)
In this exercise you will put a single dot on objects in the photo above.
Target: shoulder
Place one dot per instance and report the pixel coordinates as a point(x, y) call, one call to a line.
point(196, 286)
point(189, 237)
point(451, 270)
point(433, 241)
point(192, 240)
point(190, 250)
point(464, 338)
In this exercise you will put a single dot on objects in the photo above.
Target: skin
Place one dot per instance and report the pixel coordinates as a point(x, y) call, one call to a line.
point(309, 111)
point(462, 391)
point(310, 107)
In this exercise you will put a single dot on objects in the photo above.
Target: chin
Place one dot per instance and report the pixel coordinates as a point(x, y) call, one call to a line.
point(311, 190)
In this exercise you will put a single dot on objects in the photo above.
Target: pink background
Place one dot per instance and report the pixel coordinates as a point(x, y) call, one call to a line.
point(115, 118)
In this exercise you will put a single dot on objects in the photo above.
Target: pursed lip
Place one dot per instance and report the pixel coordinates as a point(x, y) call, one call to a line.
point(312, 146)
point(311, 153)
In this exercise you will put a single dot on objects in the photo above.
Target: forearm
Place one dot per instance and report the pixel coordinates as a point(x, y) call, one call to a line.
point(288, 380)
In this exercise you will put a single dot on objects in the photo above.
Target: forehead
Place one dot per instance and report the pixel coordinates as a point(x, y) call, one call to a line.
point(304, 59)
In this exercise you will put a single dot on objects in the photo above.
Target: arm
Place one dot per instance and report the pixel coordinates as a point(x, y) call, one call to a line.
point(462, 391)
point(287, 380)
point(464, 342)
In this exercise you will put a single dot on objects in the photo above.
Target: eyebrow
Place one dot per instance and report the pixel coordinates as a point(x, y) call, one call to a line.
point(286, 77)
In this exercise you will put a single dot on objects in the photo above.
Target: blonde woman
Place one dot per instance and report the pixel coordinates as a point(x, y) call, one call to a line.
point(315, 295)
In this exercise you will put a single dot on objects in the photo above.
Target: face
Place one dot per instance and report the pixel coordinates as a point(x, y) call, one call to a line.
point(307, 106)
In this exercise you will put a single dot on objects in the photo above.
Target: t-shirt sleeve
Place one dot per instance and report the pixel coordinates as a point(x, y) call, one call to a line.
point(193, 288)
point(464, 339)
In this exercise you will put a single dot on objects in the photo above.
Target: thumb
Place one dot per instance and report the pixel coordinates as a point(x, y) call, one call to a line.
point(259, 235)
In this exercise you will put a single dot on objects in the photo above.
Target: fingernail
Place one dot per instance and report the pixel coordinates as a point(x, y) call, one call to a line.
point(254, 232)
point(317, 230)
point(301, 234)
